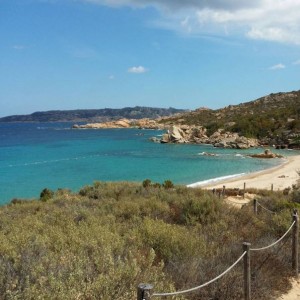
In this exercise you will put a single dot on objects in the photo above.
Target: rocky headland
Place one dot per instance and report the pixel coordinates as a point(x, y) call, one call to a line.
point(123, 123)
point(271, 121)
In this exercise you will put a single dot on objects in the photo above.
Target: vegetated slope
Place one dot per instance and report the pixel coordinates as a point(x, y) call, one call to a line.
point(273, 116)
point(93, 115)
point(105, 240)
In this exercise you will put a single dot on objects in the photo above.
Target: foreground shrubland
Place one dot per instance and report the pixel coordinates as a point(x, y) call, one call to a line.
point(102, 242)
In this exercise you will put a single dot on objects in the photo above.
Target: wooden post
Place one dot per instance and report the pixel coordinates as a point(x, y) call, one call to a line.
point(272, 187)
point(244, 190)
point(295, 250)
point(247, 272)
point(144, 291)
point(224, 191)
point(255, 206)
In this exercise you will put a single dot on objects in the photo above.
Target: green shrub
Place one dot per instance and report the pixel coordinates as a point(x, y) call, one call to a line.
point(168, 184)
point(46, 194)
point(146, 183)
point(77, 247)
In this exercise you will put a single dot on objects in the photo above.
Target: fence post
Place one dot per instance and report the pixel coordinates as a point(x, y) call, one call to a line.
point(144, 291)
point(295, 246)
point(247, 272)
point(255, 206)
point(224, 191)
point(272, 187)
point(244, 190)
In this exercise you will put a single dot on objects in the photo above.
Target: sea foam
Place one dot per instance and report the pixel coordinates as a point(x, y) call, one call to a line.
point(214, 180)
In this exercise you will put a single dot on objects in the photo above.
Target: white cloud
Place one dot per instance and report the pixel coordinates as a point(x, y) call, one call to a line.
point(137, 70)
point(271, 20)
point(277, 67)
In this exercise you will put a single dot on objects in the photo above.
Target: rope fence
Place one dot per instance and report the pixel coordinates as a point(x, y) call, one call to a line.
point(273, 244)
point(204, 284)
point(144, 291)
point(266, 209)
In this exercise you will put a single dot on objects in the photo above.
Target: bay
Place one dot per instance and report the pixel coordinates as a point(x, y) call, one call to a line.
point(34, 156)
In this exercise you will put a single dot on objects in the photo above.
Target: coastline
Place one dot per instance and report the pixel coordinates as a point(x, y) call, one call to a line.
point(282, 176)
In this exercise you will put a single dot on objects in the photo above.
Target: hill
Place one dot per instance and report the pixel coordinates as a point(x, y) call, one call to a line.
point(273, 119)
point(93, 115)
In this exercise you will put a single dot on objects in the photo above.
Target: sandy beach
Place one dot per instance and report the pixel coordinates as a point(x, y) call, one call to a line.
point(281, 177)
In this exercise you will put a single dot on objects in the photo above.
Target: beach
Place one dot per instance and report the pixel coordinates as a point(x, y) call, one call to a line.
point(280, 177)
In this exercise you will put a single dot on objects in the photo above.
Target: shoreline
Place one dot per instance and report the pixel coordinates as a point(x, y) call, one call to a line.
point(281, 176)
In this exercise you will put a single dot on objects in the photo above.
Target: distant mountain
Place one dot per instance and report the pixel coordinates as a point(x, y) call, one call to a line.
point(93, 115)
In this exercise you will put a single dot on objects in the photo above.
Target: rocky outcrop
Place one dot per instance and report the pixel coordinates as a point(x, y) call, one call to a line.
point(286, 140)
point(147, 124)
point(267, 154)
point(123, 123)
point(185, 134)
point(231, 140)
point(198, 135)
point(174, 135)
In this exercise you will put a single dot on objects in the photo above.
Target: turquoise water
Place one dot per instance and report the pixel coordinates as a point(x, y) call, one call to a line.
point(34, 156)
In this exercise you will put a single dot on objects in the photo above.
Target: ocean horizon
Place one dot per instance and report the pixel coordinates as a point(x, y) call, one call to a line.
point(34, 156)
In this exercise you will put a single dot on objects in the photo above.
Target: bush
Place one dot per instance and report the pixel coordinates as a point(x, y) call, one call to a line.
point(168, 184)
point(46, 194)
point(77, 247)
point(146, 183)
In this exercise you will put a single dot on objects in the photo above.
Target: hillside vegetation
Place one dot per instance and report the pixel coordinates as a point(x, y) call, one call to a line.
point(102, 242)
point(274, 119)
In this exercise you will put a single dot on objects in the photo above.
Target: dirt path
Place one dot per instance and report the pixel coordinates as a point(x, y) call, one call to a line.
point(294, 293)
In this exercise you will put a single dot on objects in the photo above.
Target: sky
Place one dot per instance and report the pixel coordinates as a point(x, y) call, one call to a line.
point(77, 54)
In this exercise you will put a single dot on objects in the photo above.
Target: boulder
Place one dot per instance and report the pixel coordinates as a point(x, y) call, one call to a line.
point(174, 135)
point(267, 154)
point(165, 138)
point(123, 123)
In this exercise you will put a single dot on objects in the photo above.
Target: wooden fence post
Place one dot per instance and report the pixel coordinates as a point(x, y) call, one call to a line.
point(247, 272)
point(244, 190)
point(255, 206)
point(272, 187)
point(224, 191)
point(144, 291)
point(295, 250)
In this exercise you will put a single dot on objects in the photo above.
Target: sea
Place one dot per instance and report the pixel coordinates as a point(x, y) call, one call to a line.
point(34, 156)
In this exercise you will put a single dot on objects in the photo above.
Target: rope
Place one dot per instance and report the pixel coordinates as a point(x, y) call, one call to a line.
point(268, 256)
point(272, 212)
point(200, 286)
point(273, 244)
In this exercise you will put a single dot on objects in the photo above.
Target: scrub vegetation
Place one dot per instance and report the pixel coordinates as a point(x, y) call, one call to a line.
point(101, 242)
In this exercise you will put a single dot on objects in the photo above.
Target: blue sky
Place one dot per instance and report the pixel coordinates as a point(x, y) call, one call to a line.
point(71, 54)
